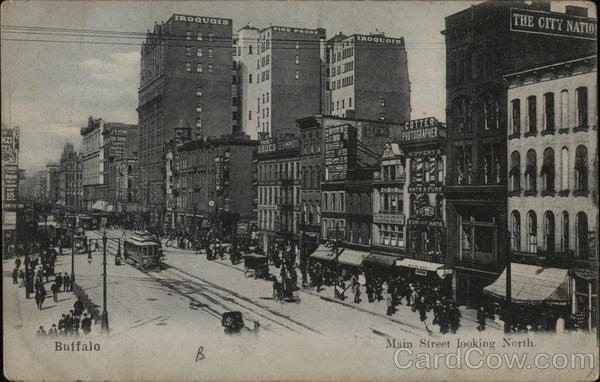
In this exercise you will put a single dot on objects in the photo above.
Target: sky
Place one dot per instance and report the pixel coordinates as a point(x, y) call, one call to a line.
point(52, 88)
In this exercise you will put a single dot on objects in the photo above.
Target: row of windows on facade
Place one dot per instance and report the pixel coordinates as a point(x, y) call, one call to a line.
point(340, 83)
point(549, 117)
point(490, 119)
point(490, 168)
point(333, 57)
point(581, 246)
point(274, 195)
point(275, 220)
point(238, 50)
point(548, 171)
point(341, 104)
point(276, 171)
point(199, 67)
point(199, 52)
point(461, 64)
point(200, 36)
point(340, 69)
point(311, 143)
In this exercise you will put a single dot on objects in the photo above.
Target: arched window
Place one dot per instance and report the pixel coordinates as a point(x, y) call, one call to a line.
point(531, 170)
point(564, 169)
point(547, 172)
point(462, 114)
point(549, 229)
point(515, 171)
point(516, 231)
point(564, 109)
point(531, 232)
point(440, 170)
point(318, 174)
point(583, 247)
point(581, 169)
point(564, 240)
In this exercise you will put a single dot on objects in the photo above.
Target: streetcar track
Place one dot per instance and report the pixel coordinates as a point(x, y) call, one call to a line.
point(205, 287)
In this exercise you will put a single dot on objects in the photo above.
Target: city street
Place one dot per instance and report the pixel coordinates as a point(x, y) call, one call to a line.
point(191, 286)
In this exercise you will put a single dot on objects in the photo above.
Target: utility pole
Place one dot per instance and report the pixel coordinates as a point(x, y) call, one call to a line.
point(73, 254)
point(104, 310)
point(508, 310)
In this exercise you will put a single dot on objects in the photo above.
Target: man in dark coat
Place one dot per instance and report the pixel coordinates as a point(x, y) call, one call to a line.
point(86, 324)
point(59, 281)
point(78, 307)
point(481, 319)
point(15, 275)
point(54, 289)
point(61, 325)
point(67, 282)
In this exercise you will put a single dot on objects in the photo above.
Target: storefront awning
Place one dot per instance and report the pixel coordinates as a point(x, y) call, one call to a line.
point(419, 264)
point(379, 260)
point(102, 205)
point(352, 257)
point(323, 253)
point(531, 284)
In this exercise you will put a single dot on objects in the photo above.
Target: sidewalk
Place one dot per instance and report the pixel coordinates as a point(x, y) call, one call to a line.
point(22, 314)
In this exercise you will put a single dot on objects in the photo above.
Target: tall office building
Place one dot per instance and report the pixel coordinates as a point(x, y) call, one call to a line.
point(367, 78)
point(185, 79)
point(281, 77)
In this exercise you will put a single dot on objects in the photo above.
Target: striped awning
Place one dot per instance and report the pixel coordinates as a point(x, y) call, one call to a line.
point(532, 284)
point(352, 257)
point(323, 253)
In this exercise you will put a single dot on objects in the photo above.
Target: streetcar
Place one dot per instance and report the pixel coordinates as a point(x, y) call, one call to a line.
point(143, 250)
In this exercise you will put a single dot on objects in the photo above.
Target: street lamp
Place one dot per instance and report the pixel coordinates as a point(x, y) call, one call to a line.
point(104, 311)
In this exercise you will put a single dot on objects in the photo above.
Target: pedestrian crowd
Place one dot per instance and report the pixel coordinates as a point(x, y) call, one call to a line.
point(70, 324)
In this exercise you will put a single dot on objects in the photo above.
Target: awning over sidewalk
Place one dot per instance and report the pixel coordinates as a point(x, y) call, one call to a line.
point(323, 253)
point(102, 205)
point(419, 264)
point(378, 259)
point(352, 257)
point(532, 284)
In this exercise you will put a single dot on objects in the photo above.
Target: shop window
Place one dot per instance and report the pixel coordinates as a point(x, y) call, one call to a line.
point(439, 166)
point(516, 231)
point(532, 232)
point(549, 229)
point(531, 171)
point(581, 169)
point(547, 172)
point(583, 247)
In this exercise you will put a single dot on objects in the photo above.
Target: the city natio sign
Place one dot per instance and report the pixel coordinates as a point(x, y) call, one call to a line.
point(559, 24)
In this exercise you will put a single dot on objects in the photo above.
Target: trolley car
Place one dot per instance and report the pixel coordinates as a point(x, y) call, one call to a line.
point(143, 250)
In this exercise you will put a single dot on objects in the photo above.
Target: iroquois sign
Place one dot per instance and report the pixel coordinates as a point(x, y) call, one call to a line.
point(559, 24)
